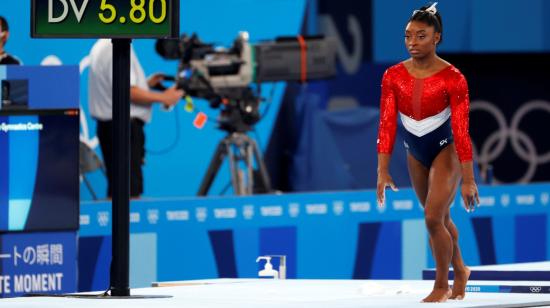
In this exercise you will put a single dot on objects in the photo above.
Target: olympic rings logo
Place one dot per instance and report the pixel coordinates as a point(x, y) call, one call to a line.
point(535, 289)
point(521, 143)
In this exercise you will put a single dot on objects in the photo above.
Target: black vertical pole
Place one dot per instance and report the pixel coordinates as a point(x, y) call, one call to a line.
point(120, 271)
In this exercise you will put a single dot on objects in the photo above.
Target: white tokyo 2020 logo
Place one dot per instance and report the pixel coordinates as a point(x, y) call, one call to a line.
point(522, 144)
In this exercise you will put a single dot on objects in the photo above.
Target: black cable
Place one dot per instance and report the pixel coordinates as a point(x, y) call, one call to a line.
point(106, 293)
point(269, 102)
point(173, 145)
point(224, 190)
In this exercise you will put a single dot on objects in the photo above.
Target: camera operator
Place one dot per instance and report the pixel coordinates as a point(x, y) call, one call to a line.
point(141, 97)
point(6, 58)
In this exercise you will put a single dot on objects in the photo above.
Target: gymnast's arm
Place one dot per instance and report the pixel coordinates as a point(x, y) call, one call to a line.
point(460, 108)
point(386, 137)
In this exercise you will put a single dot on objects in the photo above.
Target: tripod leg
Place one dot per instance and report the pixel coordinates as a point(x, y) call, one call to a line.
point(249, 159)
point(94, 197)
point(213, 168)
point(236, 177)
point(264, 176)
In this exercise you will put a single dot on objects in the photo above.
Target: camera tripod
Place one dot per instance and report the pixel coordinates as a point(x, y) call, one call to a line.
point(239, 149)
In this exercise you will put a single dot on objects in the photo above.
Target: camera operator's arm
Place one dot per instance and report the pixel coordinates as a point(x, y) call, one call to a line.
point(167, 97)
point(155, 80)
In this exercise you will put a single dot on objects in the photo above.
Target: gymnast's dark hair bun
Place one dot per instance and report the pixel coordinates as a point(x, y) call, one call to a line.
point(429, 15)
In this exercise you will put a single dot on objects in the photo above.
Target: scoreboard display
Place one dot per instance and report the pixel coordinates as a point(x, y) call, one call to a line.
point(104, 18)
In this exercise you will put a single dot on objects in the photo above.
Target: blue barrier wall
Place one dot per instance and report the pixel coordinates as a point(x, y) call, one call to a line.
point(328, 235)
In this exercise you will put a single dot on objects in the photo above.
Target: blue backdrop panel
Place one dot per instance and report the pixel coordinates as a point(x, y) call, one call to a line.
point(246, 246)
point(388, 252)
point(362, 86)
point(224, 252)
point(366, 248)
point(354, 16)
point(38, 263)
point(469, 26)
point(504, 227)
point(495, 34)
point(192, 252)
point(341, 256)
point(483, 229)
point(527, 228)
point(94, 259)
point(143, 266)
point(328, 149)
point(414, 252)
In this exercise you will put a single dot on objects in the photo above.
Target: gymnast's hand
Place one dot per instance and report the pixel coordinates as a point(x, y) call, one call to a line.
point(470, 195)
point(384, 180)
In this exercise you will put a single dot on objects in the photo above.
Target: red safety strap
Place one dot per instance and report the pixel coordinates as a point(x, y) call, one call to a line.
point(303, 58)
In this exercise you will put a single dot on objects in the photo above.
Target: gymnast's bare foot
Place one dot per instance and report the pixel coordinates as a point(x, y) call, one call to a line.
point(438, 296)
point(459, 285)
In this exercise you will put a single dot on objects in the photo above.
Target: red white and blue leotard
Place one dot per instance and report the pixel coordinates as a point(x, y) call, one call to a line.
point(433, 110)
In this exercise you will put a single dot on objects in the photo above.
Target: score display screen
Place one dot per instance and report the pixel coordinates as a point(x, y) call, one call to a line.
point(104, 18)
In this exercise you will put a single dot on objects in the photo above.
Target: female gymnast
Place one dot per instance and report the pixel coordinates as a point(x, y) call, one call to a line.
point(430, 96)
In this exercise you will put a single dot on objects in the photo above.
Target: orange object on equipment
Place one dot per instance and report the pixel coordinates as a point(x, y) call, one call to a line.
point(200, 120)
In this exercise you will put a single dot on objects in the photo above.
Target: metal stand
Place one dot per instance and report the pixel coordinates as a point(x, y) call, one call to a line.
point(240, 150)
point(120, 266)
point(120, 272)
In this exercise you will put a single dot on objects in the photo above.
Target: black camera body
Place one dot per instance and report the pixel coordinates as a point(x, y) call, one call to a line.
point(224, 76)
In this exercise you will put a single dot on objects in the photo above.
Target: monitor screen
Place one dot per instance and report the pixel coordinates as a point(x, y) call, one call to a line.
point(39, 181)
point(15, 95)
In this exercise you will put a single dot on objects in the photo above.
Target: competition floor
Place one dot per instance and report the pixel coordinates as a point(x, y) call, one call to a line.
point(258, 293)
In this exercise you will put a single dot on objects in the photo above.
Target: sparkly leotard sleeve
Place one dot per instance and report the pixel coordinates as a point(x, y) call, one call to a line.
point(423, 105)
point(388, 116)
point(460, 120)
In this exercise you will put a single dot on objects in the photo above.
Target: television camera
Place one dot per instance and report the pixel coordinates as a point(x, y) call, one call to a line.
point(225, 78)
